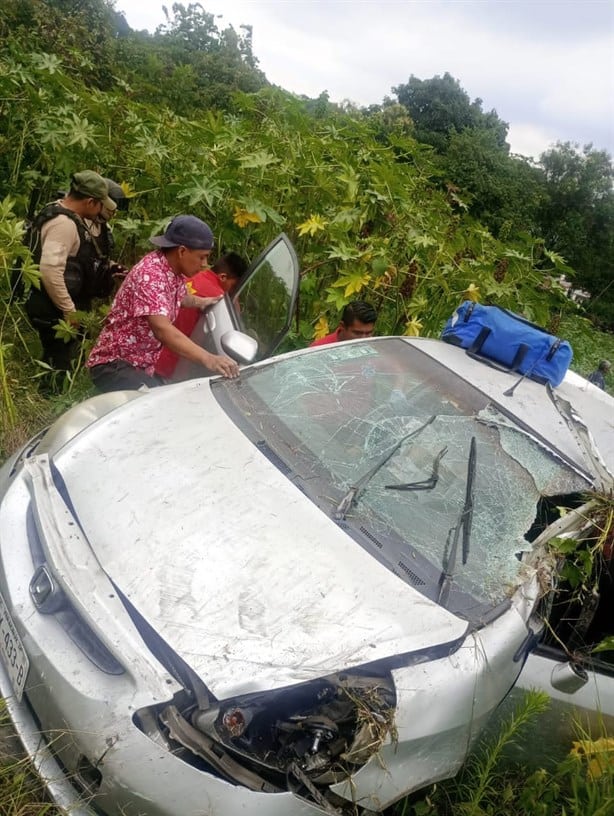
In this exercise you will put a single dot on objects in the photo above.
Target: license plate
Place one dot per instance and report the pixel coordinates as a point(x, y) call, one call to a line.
point(12, 652)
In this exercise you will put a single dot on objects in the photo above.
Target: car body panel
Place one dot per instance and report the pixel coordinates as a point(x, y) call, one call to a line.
point(158, 502)
point(126, 764)
point(528, 405)
point(592, 703)
point(82, 694)
point(267, 629)
point(433, 732)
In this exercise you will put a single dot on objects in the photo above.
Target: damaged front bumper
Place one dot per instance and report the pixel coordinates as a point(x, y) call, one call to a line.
point(144, 741)
point(362, 738)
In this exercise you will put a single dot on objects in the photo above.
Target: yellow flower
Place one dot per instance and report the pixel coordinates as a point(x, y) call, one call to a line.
point(472, 292)
point(413, 327)
point(312, 225)
point(243, 217)
point(127, 189)
point(321, 328)
point(599, 754)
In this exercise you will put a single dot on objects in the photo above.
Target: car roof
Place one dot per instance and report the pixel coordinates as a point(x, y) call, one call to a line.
point(531, 403)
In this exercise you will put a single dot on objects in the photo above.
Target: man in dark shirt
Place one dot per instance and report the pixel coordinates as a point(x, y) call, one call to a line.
point(598, 375)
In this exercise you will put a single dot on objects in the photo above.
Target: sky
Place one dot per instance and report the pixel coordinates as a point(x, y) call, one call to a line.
point(545, 66)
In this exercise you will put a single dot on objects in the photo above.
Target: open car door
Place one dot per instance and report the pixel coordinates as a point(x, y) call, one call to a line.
point(249, 326)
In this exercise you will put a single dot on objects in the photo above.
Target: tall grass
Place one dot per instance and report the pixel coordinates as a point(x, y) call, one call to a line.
point(492, 784)
point(21, 791)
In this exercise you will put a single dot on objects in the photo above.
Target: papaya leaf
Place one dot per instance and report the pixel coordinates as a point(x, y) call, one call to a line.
point(350, 179)
point(262, 158)
point(337, 298)
point(202, 192)
point(353, 282)
point(321, 328)
point(313, 225)
point(343, 252)
point(424, 241)
point(81, 132)
point(46, 62)
point(413, 327)
point(65, 331)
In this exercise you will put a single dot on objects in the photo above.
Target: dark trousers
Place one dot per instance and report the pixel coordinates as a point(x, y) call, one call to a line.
point(57, 354)
point(121, 376)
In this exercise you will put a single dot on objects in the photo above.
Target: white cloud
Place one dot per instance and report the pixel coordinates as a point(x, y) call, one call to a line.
point(542, 65)
point(141, 14)
point(530, 140)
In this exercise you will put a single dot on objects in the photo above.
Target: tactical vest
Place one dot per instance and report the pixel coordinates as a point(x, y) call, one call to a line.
point(80, 271)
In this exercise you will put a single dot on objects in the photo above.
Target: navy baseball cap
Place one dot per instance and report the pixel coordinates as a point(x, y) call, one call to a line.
point(188, 231)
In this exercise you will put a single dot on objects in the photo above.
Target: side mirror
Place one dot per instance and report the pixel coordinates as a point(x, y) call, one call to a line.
point(568, 677)
point(239, 346)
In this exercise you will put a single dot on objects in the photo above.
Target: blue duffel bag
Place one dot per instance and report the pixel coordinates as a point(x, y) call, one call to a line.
point(498, 336)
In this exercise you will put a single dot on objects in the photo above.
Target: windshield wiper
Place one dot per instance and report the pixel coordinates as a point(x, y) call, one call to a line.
point(351, 496)
point(425, 484)
point(463, 525)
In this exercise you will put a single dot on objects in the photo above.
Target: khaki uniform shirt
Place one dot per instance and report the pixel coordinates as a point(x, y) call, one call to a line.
point(59, 241)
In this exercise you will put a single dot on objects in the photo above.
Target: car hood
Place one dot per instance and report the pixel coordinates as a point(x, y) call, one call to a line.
point(242, 575)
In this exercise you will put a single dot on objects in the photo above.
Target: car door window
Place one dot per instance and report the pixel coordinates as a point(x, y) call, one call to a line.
point(262, 308)
point(265, 302)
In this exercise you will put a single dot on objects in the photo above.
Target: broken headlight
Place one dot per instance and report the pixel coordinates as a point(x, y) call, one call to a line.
point(300, 738)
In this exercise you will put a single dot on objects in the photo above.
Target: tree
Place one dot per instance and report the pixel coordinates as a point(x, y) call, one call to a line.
point(504, 192)
point(192, 28)
point(440, 107)
point(205, 65)
point(577, 217)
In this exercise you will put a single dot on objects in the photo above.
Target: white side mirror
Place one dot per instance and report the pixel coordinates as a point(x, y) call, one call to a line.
point(241, 347)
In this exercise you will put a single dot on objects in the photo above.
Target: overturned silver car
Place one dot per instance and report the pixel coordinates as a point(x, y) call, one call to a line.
point(304, 591)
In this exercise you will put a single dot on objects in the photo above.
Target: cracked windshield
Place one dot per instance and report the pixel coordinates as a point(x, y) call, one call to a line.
point(421, 464)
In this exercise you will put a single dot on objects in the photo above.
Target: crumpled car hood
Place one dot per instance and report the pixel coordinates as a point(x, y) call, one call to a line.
point(235, 568)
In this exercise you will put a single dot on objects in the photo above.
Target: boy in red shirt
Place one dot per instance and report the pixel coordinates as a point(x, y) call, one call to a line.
point(224, 276)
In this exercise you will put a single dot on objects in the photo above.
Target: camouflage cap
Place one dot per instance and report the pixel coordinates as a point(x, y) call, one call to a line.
point(89, 183)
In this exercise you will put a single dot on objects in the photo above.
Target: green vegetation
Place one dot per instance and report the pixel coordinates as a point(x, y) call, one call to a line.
point(491, 782)
point(373, 212)
point(566, 198)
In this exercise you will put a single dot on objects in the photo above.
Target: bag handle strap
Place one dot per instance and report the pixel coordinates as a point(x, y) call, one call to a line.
point(474, 352)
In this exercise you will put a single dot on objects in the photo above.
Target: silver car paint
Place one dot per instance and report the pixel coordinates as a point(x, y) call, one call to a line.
point(84, 695)
point(437, 700)
point(527, 403)
point(174, 539)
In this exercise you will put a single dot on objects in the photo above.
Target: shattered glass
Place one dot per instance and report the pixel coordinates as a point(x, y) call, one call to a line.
point(332, 415)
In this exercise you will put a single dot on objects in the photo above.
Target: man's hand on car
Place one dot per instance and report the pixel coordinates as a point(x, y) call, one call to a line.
point(223, 365)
